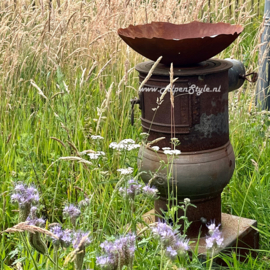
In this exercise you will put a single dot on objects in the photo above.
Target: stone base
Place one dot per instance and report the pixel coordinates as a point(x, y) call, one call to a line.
point(240, 235)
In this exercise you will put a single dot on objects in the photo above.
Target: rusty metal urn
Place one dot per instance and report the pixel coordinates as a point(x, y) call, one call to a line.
point(200, 113)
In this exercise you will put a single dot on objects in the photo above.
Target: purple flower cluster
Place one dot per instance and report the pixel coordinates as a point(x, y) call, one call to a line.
point(81, 240)
point(150, 192)
point(117, 253)
point(65, 236)
point(25, 195)
point(170, 240)
point(132, 189)
point(215, 238)
point(72, 212)
point(32, 219)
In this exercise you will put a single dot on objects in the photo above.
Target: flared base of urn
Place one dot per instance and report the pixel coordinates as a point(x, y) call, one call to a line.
point(206, 211)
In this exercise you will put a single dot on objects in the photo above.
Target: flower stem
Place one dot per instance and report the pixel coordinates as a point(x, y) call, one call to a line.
point(55, 258)
point(212, 258)
point(28, 250)
point(161, 259)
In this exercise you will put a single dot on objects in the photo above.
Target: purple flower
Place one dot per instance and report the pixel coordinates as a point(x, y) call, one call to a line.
point(81, 240)
point(64, 236)
point(212, 228)
point(106, 262)
point(164, 233)
point(57, 231)
point(39, 222)
point(170, 240)
point(32, 218)
point(215, 238)
point(181, 245)
point(72, 212)
point(24, 195)
point(121, 251)
point(150, 192)
point(132, 189)
point(171, 253)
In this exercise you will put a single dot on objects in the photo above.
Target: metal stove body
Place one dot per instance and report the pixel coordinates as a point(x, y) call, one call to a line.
point(207, 161)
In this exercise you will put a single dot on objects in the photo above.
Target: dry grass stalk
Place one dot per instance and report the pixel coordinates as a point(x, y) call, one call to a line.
point(23, 226)
point(171, 86)
point(155, 141)
point(149, 73)
point(39, 90)
point(58, 141)
point(69, 158)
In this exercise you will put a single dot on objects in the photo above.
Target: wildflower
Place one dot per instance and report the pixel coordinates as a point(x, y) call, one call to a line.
point(126, 144)
point(56, 230)
point(81, 240)
point(96, 155)
point(25, 196)
point(127, 171)
point(106, 262)
point(215, 238)
point(84, 203)
point(212, 228)
point(118, 253)
point(131, 190)
point(166, 148)
point(150, 192)
point(155, 148)
point(170, 240)
point(96, 137)
point(186, 201)
point(181, 245)
point(164, 233)
point(35, 221)
point(64, 236)
point(72, 212)
point(171, 253)
point(172, 152)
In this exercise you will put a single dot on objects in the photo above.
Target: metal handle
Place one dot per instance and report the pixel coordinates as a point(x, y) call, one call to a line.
point(254, 77)
point(133, 102)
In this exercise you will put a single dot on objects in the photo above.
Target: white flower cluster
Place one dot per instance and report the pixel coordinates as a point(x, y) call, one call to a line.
point(126, 144)
point(169, 151)
point(96, 137)
point(127, 171)
point(96, 155)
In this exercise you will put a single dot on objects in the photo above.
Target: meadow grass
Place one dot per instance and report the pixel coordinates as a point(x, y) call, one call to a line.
point(65, 75)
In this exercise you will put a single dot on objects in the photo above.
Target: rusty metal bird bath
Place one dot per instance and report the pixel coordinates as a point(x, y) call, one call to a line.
point(182, 44)
point(200, 111)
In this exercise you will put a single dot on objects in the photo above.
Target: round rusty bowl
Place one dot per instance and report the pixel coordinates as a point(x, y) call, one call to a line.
point(180, 44)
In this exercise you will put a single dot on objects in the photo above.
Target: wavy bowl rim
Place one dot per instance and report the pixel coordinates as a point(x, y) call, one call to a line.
point(241, 29)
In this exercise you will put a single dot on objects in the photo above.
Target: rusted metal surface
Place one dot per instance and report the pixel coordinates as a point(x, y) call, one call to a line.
point(180, 44)
point(201, 119)
point(195, 175)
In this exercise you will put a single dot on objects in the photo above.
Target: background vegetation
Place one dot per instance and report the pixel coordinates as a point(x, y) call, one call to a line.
point(66, 75)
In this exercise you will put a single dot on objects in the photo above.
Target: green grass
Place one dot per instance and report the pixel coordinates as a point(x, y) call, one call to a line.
point(29, 122)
